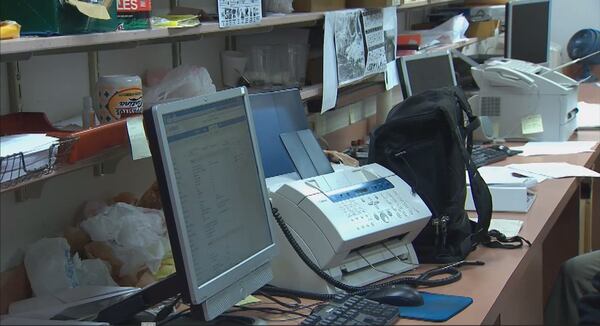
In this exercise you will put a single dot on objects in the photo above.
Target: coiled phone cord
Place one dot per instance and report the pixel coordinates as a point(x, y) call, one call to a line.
point(424, 279)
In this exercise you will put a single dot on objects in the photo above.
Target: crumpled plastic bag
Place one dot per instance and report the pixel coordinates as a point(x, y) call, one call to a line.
point(181, 82)
point(278, 6)
point(137, 236)
point(50, 267)
point(451, 31)
point(92, 272)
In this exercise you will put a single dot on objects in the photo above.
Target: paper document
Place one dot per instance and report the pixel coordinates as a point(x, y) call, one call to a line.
point(510, 228)
point(556, 148)
point(552, 170)
point(588, 116)
point(375, 41)
point(137, 138)
point(349, 46)
point(501, 175)
point(330, 78)
point(390, 28)
point(239, 12)
point(36, 154)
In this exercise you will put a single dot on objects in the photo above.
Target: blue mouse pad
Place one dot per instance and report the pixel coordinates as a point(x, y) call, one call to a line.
point(436, 307)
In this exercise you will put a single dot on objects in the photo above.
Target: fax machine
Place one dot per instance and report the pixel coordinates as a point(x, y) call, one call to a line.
point(521, 100)
point(356, 224)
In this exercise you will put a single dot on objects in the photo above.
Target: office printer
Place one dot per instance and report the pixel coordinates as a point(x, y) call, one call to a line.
point(356, 224)
point(521, 100)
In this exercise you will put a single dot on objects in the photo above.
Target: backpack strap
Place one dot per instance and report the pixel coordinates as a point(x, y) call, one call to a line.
point(482, 197)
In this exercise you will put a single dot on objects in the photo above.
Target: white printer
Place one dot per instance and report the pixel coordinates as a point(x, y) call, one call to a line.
point(356, 224)
point(521, 100)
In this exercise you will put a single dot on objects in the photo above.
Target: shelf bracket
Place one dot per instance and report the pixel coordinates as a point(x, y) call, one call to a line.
point(14, 87)
point(30, 191)
point(107, 167)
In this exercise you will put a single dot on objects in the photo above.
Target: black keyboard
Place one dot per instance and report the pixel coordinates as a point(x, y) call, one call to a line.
point(487, 155)
point(347, 309)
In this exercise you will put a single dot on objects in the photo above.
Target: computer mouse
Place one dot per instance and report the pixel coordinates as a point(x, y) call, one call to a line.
point(398, 295)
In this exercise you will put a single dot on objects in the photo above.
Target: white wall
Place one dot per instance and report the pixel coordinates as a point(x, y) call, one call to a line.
point(569, 16)
point(56, 84)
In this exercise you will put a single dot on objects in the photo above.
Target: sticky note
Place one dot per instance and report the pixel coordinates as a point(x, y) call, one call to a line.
point(248, 300)
point(137, 138)
point(532, 124)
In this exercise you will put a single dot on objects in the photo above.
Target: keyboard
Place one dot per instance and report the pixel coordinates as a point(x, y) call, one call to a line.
point(347, 309)
point(522, 66)
point(482, 156)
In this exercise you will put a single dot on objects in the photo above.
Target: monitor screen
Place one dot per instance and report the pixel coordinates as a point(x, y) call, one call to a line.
point(425, 72)
point(527, 34)
point(214, 195)
point(217, 179)
point(276, 113)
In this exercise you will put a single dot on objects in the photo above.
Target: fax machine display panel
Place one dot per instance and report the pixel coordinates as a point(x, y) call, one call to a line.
point(227, 222)
point(373, 205)
point(363, 189)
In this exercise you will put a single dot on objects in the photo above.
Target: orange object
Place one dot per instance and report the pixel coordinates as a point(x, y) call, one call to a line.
point(89, 142)
point(409, 39)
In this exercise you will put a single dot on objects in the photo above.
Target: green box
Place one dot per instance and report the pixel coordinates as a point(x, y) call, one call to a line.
point(51, 17)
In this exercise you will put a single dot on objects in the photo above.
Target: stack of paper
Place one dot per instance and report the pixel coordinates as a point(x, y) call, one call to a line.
point(543, 171)
point(510, 228)
point(556, 148)
point(36, 154)
point(501, 175)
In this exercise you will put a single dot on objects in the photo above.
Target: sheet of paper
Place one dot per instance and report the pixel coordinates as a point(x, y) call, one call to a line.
point(239, 12)
point(501, 175)
point(375, 41)
point(556, 148)
point(349, 46)
point(137, 138)
point(532, 124)
point(248, 300)
point(510, 228)
point(26, 143)
point(330, 78)
point(553, 170)
point(588, 116)
point(390, 28)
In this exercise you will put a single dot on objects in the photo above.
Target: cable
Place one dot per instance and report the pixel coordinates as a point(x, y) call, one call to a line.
point(173, 317)
point(279, 302)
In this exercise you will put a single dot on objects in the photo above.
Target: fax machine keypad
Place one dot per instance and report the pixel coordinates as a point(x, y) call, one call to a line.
point(373, 210)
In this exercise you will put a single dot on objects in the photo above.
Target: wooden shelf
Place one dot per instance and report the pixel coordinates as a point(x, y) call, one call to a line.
point(27, 46)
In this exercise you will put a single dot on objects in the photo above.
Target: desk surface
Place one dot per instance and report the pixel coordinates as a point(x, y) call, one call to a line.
point(490, 285)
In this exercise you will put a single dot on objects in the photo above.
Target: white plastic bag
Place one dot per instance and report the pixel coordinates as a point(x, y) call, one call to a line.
point(137, 236)
point(181, 82)
point(449, 32)
point(50, 267)
point(278, 6)
point(92, 272)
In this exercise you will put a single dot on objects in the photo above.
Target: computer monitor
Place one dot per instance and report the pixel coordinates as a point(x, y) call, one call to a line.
point(422, 72)
point(527, 34)
point(215, 200)
point(276, 113)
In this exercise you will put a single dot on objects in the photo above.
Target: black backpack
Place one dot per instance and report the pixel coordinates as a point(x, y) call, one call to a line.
point(427, 141)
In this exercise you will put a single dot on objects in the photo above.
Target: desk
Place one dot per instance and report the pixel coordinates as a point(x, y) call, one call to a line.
point(513, 286)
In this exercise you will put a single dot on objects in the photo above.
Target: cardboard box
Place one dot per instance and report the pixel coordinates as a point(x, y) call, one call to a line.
point(372, 3)
point(52, 17)
point(319, 5)
point(134, 14)
point(483, 29)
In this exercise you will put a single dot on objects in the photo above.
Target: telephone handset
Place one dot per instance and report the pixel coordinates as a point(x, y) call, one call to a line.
point(508, 77)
